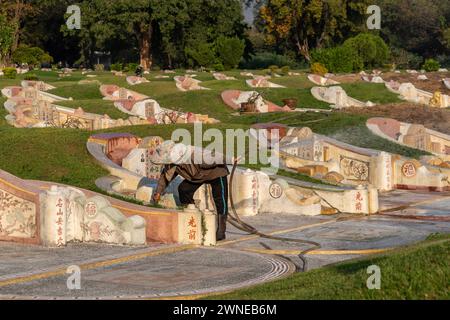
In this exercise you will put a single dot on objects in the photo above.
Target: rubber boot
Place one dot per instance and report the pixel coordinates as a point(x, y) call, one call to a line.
point(220, 235)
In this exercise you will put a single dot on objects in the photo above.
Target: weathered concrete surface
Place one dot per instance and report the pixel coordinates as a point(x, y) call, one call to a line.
point(187, 272)
point(241, 260)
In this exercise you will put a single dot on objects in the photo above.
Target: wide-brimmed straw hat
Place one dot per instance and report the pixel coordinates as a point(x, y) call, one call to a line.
point(170, 152)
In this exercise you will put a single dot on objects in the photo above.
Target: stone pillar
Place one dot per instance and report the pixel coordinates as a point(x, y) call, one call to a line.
point(210, 222)
point(54, 218)
point(190, 226)
point(245, 192)
point(383, 173)
point(359, 202)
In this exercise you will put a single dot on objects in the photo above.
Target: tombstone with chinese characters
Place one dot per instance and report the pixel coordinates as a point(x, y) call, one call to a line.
point(254, 193)
point(70, 216)
point(190, 226)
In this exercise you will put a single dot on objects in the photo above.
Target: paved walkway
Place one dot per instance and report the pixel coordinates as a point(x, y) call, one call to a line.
point(157, 270)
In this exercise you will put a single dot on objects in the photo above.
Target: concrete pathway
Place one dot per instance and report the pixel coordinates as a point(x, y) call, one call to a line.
point(157, 270)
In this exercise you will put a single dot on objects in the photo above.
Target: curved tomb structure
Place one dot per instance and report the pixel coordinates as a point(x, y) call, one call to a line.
point(337, 97)
point(337, 162)
point(342, 195)
point(138, 105)
point(150, 110)
point(30, 92)
point(31, 108)
point(262, 82)
point(446, 83)
point(134, 80)
point(412, 135)
point(372, 79)
point(221, 76)
point(41, 114)
point(53, 216)
point(409, 92)
point(161, 76)
point(39, 85)
point(234, 98)
point(321, 81)
point(115, 93)
point(129, 161)
point(188, 83)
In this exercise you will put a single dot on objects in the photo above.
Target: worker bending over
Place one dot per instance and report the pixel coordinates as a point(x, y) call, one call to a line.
point(179, 159)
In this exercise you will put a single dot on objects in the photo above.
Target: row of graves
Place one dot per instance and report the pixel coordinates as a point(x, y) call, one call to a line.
point(30, 106)
point(343, 164)
point(142, 106)
point(55, 215)
point(133, 174)
point(329, 90)
point(189, 83)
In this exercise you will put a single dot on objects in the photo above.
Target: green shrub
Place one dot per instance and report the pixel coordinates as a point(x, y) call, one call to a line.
point(318, 68)
point(117, 66)
point(339, 59)
point(431, 65)
point(371, 49)
point(219, 67)
point(131, 67)
point(273, 69)
point(203, 54)
point(363, 51)
point(31, 77)
point(230, 51)
point(31, 55)
point(285, 70)
point(10, 73)
point(263, 60)
point(404, 59)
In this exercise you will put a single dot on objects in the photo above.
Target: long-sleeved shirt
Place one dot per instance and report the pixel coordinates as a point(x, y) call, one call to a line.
point(197, 173)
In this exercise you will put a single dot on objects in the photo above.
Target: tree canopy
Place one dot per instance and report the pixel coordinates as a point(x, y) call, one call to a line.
point(176, 33)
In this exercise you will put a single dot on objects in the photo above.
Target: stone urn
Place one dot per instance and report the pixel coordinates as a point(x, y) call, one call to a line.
point(291, 103)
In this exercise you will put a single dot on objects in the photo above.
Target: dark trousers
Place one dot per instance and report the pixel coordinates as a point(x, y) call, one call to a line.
point(219, 187)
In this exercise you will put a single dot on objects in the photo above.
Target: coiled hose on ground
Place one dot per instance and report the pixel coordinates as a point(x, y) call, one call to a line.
point(235, 220)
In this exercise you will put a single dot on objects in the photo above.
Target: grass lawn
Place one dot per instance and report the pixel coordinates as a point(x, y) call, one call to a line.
point(60, 155)
point(419, 271)
point(97, 106)
point(375, 92)
point(78, 91)
point(298, 82)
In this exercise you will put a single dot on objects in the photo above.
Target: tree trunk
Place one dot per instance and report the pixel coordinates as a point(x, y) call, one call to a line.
point(16, 22)
point(169, 59)
point(304, 49)
point(145, 48)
